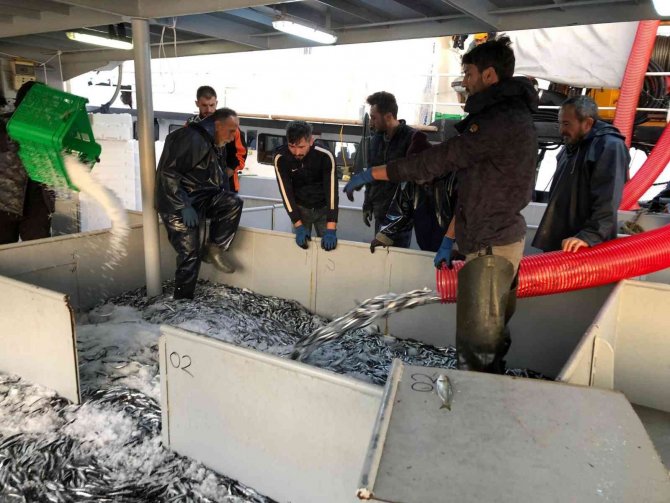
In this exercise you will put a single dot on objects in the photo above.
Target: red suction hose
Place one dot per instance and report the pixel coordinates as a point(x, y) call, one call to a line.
point(624, 117)
point(557, 272)
point(633, 78)
point(649, 172)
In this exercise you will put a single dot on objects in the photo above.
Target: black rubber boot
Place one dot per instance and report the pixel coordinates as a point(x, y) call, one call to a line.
point(216, 256)
point(183, 292)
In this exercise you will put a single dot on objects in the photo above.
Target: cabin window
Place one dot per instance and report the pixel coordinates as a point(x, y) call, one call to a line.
point(251, 137)
point(267, 144)
point(174, 127)
point(344, 152)
point(156, 130)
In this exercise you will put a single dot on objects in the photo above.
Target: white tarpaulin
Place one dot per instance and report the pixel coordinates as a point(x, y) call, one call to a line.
point(582, 56)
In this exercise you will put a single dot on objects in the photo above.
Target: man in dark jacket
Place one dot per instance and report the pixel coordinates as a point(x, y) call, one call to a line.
point(587, 186)
point(190, 186)
point(392, 139)
point(307, 179)
point(494, 157)
point(26, 206)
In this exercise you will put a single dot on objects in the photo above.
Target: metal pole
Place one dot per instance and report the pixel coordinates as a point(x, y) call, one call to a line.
point(145, 136)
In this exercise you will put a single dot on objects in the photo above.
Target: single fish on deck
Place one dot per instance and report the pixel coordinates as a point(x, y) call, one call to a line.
point(445, 391)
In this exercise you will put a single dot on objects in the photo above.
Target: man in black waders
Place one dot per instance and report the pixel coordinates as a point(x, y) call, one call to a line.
point(494, 159)
point(190, 186)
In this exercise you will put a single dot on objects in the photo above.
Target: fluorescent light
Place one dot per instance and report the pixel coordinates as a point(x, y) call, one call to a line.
point(87, 38)
point(662, 7)
point(300, 30)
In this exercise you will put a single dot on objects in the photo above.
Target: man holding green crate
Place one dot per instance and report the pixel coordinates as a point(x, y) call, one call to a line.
point(26, 206)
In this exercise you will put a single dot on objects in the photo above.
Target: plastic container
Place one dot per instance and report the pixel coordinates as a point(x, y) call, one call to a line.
point(47, 123)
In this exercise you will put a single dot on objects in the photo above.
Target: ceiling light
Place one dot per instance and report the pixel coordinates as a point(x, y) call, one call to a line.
point(300, 30)
point(662, 7)
point(88, 38)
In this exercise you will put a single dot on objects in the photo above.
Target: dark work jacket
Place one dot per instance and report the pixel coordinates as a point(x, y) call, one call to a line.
point(586, 190)
point(378, 194)
point(428, 208)
point(310, 182)
point(14, 181)
point(494, 157)
point(188, 170)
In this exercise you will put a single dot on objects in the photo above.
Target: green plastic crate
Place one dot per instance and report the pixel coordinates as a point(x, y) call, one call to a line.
point(440, 116)
point(47, 123)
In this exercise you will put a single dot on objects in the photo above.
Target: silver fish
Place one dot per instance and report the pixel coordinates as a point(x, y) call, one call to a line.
point(444, 391)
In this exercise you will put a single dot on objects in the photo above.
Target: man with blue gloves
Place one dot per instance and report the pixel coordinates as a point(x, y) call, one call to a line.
point(494, 157)
point(307, 179)
point(191, 186)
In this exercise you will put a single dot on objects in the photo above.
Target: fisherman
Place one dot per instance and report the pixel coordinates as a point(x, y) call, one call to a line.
point(392, 139)
point(26, 206)
point(428, 208)
point(235, 154)
point(190, 186)
point(588, 184)
point(307, 179)
point(494, 157)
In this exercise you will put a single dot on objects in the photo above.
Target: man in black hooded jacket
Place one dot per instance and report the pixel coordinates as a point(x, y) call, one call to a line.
point(392, 139)
point(190, 186)
point(587, 186)
point(494, 158)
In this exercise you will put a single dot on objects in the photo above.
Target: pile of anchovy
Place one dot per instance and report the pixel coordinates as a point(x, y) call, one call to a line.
point(48, 451)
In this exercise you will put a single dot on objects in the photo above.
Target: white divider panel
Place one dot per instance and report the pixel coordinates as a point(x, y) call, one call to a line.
point(38, 337)
point(75, 265)
point(269, 263)
point(578, 369)
point(434, 324)
point(642, 345)
point(291, 431)
point(628, 346)
point(545, 330)
point(508, 440)
point(348, 274)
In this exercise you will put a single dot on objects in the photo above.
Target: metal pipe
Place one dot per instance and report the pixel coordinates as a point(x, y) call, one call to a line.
point(145, 136)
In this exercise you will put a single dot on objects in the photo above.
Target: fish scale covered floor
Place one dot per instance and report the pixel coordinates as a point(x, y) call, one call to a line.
point(109, 448)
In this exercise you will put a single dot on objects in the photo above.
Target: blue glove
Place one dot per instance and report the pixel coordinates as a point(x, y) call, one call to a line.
point(302, 236)
point(329, 240)
point(357, 181)
point(444, 253)
point(189, 216)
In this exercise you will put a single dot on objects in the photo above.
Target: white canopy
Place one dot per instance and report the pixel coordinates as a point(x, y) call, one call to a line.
point(582, 56)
